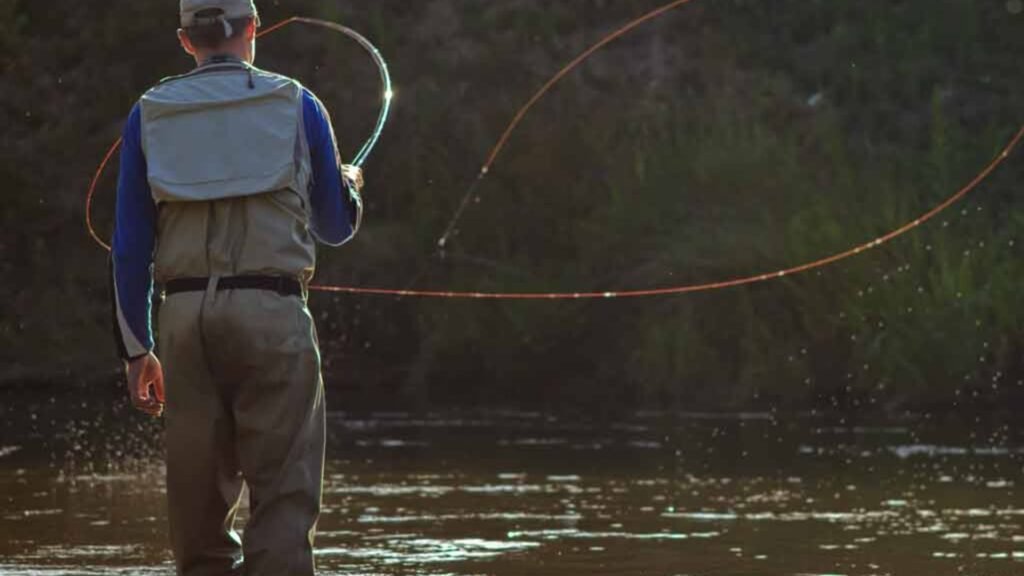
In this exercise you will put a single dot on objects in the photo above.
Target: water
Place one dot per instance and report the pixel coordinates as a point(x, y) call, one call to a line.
point(515, 494)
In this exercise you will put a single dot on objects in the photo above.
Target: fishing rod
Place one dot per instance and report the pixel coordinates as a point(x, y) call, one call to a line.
point(378, 59)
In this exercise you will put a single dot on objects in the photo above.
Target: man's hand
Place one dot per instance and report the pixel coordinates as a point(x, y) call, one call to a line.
point(146, 373)
point(353, 176)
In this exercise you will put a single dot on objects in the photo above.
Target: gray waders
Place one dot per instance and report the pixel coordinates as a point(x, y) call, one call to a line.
point(244, 398)
point(229, 167)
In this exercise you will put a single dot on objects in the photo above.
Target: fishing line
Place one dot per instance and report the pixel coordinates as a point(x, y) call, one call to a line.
point(499, 147)
point(521, 114)
point(708, 287)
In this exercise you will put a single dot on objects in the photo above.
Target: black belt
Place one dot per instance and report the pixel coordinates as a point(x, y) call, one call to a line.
point(281, 285)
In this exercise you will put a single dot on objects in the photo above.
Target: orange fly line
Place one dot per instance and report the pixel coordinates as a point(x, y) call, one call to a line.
point(591, 295)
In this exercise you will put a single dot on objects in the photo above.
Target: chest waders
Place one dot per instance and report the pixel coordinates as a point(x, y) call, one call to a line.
point(229, 167)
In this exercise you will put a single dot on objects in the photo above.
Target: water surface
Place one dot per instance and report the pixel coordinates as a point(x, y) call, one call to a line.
point(521, 493)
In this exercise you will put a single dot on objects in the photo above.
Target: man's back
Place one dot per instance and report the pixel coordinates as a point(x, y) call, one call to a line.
point(230, 164)
point(224, 130)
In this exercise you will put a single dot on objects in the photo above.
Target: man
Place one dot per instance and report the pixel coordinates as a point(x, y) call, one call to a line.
point(228, 173)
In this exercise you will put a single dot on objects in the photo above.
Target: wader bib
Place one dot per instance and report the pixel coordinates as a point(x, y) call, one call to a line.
point(229, 167)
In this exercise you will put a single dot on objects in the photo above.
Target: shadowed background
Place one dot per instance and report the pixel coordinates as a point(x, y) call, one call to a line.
point(726, 138)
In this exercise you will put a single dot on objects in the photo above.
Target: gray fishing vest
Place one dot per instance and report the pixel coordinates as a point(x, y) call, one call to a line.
point(229, 166)
point(224, 131)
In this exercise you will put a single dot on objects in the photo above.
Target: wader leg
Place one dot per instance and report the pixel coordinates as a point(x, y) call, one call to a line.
point(280, 422)
point(203, 481)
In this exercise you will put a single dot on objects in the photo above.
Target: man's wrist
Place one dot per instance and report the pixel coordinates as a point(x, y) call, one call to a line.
point(130, 359)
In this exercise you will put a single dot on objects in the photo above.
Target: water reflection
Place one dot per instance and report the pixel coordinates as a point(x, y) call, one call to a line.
point(523, 493)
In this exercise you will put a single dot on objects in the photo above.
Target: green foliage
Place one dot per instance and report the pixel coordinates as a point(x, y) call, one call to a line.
point(728, 139)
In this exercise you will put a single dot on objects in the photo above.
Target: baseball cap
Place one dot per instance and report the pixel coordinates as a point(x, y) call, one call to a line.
point(230, 10)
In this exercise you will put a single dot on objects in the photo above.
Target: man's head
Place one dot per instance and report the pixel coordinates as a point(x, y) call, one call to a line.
point(219, 27)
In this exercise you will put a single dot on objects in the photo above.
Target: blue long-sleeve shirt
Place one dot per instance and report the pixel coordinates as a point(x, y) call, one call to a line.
point(335, 212)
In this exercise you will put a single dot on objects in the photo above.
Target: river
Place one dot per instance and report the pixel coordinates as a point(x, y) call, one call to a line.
point(519, 493)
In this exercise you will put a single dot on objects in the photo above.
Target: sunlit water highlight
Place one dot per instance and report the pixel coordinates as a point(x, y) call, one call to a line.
point(514, 493)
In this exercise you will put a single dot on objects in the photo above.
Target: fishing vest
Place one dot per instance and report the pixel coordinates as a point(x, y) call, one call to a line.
point(226, 130)
point(229, 167)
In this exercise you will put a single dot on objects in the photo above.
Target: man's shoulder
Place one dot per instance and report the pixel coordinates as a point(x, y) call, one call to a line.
point(311, 101)
point(277, 77)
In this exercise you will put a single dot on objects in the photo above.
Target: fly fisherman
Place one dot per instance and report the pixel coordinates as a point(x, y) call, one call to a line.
point(228, 176)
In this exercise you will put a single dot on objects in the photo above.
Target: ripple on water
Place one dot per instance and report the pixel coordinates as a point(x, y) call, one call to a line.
point(540, 442)
point(386, 490)
point(590, 535)
point(13, 570)
point(421, 551)
point(391, 443)
point(34, 513)
point(873, 516)
point(82, 552)
point(932, 450)
point(439, 518)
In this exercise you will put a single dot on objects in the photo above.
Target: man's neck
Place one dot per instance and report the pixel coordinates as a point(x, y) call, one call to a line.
point(220, 57)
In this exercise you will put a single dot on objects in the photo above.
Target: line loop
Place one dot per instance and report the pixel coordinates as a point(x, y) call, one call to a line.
point(367, 148)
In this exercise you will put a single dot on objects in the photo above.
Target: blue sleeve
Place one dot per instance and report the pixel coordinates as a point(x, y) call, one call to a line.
point(337, 209)
point(133, 245)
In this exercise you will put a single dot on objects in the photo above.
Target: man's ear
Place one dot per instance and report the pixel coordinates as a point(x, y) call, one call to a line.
point(250, 31)
point(186, 44)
